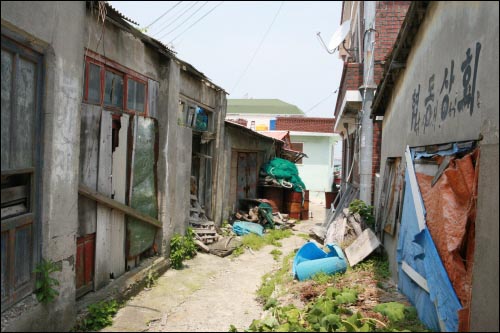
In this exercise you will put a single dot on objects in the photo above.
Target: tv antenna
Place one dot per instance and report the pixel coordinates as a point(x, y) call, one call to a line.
point(337, 38)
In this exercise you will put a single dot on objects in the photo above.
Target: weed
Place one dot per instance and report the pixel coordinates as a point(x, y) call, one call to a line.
point(366, 211)
point(181, 248)
point(45, 292)
point(276, 254)
point(151, 278)
point(256, 242)
point(100, 315)
point(323, 278)
point(238, 251)
point(270, 281)
point(233, 328)
point(305, 236)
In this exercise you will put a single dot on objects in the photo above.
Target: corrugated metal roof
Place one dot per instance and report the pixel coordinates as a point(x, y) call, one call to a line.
point(120, 14)
point(280, 135)
point(262, 106)
point(250, 131)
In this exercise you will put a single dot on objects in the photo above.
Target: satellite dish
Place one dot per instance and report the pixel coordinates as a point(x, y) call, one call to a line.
point(337, 38)
point(339, 35)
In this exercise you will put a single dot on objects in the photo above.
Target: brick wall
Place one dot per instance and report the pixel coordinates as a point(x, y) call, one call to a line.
point(240, 121)
point(389, 16)
point(377, 140)
point(305, 124)
point(352, 79)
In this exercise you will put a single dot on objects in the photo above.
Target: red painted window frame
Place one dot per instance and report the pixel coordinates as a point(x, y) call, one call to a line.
point(126, 73)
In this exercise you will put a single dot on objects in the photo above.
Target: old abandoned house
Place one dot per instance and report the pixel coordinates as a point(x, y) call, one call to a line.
point(103, 128)
point(429, 93)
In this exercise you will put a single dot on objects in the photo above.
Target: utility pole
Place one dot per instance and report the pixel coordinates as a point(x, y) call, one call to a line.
point(367, 91)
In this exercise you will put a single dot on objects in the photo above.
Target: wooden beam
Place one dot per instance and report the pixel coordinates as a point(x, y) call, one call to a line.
point(419, 209)
point(104, 200)
point(415, 276)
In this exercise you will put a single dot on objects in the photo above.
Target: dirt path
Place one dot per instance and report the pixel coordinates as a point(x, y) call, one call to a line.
point(210, 294)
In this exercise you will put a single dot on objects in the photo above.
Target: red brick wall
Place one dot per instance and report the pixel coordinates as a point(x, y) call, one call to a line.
point(305, 124)
point(352, 79)
point(377, 140)
point(389, 16)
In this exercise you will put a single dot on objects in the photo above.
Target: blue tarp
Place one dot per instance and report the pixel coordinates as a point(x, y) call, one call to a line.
point(417, 249)
point(243, 228)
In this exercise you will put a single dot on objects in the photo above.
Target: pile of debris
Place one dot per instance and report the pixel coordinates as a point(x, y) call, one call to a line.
point(345, 228)
point(207, 237)
point(263, 212)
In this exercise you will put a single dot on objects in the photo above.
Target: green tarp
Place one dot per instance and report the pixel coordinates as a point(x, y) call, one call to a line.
point(142, 235)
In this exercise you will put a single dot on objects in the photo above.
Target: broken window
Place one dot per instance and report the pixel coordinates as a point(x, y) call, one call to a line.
point(114, 86)
point(21, 124)
point(135, 95)
point(113, 91)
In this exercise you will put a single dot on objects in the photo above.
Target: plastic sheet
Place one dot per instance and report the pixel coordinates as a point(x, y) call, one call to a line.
point(438, 308)
point(141, 235)
point(451, 210)
point(243, 228)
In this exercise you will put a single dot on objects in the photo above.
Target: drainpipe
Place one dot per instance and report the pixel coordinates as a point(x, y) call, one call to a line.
point(367, 91)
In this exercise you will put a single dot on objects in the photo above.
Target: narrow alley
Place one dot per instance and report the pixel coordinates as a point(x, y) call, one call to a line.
point(210, 293)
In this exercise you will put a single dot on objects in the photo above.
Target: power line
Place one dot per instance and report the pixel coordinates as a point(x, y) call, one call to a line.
point(258, 48)
point(174, 20)
point(168, 11)
point(320, 102)
point(201, 18)
point(177, 27)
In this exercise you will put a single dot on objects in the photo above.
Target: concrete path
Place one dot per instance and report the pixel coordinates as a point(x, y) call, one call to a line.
point(210, 293)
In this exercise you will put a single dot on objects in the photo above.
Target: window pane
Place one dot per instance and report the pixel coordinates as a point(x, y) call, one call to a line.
point(23, 116)
point(135, 95)
point(6, 106)
point(94, 81)
point(113, 94)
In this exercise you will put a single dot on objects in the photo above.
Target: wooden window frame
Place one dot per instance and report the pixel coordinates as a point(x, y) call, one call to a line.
point(126, 74)
point(18, 46)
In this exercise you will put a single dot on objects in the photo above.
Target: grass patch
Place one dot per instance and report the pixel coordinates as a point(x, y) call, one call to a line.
point(305, 236)
point(272, 237)
point(276, 254)
point(271, 280)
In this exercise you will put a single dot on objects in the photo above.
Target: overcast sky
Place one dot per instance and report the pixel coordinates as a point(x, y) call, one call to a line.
point(290, 64)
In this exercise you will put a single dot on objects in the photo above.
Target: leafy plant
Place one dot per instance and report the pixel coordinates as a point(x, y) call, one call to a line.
point(45, 292)
point(100, 315)
point(181, 248)
point(366, 211)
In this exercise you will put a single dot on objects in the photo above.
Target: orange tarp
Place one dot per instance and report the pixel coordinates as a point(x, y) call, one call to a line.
point(451, 212)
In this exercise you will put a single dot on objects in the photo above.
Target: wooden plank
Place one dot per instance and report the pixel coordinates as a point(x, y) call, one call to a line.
point(89, 150)
point(414, 189)
point(17, 221)
point(415, 276)
point(102, 199)
point(441, 169)
point(362, 247)
point(13, 193)
point(103, 228)
point(201, 246)
point(13, 210)
point(119, 183)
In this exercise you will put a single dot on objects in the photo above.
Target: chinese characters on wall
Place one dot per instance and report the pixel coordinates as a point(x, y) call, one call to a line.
point(439, 104)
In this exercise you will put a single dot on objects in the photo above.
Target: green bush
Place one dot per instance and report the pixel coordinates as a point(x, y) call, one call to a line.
point(181, 248)
point(366, 211)
point(100, 315)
